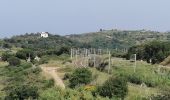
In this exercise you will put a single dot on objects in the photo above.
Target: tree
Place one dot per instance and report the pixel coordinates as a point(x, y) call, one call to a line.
point(14, 61)
point(7, 45)
point(114, 87)
point(156, 51)
point(63, 50)
point(80, 76)
point(25, 53)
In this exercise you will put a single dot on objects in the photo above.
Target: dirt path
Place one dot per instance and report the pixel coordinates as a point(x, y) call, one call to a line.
point(52, 71)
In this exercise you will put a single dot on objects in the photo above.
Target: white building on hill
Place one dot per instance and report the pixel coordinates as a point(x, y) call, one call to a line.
point(44, 34)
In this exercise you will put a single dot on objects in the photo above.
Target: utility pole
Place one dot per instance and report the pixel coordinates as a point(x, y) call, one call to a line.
point(135, 64)
point(109, 63)
point(86, 55)
point(94, 58)
point(71, 53)
point(76, 55)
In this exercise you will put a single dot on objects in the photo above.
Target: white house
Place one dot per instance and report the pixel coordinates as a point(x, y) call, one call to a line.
point(44, 34)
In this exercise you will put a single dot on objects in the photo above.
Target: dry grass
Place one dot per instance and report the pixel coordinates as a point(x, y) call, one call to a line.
point(136, 92)
point(166, 61)
point(99, 77)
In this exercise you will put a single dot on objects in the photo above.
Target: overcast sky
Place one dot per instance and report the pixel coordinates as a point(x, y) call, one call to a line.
point(80, 16)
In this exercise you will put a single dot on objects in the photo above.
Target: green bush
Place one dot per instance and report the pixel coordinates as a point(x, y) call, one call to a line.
point(6, 56)
point(67, 76)
point(150, 82)
point(43, 60)
point(102, 66)
point(26, 65)
point(80, 76)
point(14, 61)
point(160, 97)
point(49, 83)
point(25, 53)
point(157, 51)
point(23, 92)
point(135, 78)
point(36, 70)
point(114, 87)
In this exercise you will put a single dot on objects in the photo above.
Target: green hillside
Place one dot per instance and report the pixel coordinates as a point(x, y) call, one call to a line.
point(118, 38)
point(35, 41)
point(35, 68)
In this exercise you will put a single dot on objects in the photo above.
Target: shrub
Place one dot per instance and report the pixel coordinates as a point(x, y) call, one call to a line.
point(43, 60)
point(6, 56)
point(23, 92)
point(66, 76)
point(160, 97)
point(114, 87)
point(26, 65)
point(7, 45)
point(13, 61)
point(25, 53)
point(49, 83)
point(80, 76)
point(134, 78)
point(102, 66)
point(36, 70)
point(150, 83)
point(63, 50)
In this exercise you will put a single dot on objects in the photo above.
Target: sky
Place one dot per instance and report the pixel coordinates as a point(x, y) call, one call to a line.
point(80, 16)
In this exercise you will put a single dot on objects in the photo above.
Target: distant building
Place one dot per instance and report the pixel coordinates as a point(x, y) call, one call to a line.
point(44, 34)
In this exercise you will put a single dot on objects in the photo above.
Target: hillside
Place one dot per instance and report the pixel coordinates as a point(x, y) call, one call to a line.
point(118, 38)
point(90, 77)
point(34, 41)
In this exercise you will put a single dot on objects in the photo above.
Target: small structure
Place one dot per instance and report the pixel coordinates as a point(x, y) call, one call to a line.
point(44, 34)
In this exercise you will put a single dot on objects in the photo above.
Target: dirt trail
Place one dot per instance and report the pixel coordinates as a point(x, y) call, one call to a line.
point(52, 71)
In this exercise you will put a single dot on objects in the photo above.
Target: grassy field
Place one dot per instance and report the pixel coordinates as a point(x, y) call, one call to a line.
point(155, 75)
point(119, 66)
point(137, 92)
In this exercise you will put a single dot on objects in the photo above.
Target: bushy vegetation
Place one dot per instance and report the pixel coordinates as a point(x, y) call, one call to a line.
point(81, 76)
point(68, 94)
point(14, 61)
point(119, 39)
point(6, 56)
point(24, 81)
point(155, 51)
point(114, 87)
point(25, 54)
point(23, 92)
